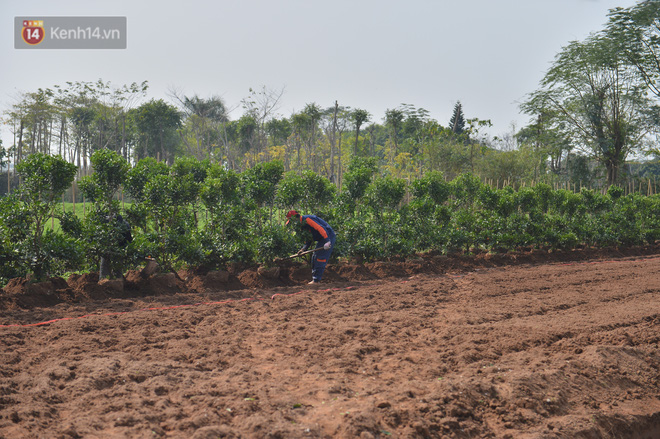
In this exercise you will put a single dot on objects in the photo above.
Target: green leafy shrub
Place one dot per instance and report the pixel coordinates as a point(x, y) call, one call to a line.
point(198, 213)
point(227, 237)
point(543, 196)
point(615, 192)
point(101, 231)
point(275, 242)
point(358, 176)
point(308, 192)
point(141, 173)
point(433, 186)
point(110, 170)
point(44, 180)
point(63, 253)
point(466, 189)
point(260, 182)
point(385, 194)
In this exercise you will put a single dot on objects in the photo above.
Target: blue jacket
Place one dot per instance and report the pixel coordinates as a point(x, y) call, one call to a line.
point(321, 231)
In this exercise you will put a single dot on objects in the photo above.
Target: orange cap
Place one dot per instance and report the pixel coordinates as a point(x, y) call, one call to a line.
point(290, 214)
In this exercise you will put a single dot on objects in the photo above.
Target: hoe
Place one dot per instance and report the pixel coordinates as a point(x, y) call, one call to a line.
point(298, 255)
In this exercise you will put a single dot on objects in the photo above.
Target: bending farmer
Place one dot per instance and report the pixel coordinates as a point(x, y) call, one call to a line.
point(324, 236)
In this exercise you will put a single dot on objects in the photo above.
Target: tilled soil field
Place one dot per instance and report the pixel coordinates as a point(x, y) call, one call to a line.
point(535, 345)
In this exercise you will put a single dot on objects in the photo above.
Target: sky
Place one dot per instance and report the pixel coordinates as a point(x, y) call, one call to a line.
point(367, 54)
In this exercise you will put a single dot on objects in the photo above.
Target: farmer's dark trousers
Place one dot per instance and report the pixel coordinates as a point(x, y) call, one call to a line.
point(320, 259)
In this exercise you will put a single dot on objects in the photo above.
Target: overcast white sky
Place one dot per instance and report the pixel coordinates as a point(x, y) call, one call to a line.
point(369, 54)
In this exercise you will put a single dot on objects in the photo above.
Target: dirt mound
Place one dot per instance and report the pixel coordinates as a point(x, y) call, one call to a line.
point(80, 287)
point(529, 345)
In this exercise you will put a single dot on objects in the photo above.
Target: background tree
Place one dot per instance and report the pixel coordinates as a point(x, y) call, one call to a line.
point(278, 131)
point(247, 141)
point(413, 129)
point(95, 115)
point(261, 105)
point(33, 115)
point(474, 139)
point(546, 136)
point(336, 121)
point(157, 123)
point(4, 156)
point(457, 122)
point(636, 31)
point(358, 117)
point(597, 100)
point(314, 113)
point(203, 125)
point(394, 121)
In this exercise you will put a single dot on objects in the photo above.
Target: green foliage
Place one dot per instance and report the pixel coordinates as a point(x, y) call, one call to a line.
point(45, 178)
point(227, 238)
point(195, 213)
point(291, 191)
point(110, 171)
point(385, 193)
point(432, 185)
point(307, 192)
point(141, 173)
point(615, 192)
point(197, 169)
point(260, 182)
point(594, 201)
point(63, 253)
point(101, 234)
point(358, 177)
point(319, 191)
point(276, 242)
point(12, 234)
point(526, 199)
point(543, 196)
point(4, 154)
point(466, 189)
point(457, 122)
point(220, 189)
point(192, 173)
point(164, 209)
point(360, 238)
point(156, 122)
point(425, 224)
point(13, 220)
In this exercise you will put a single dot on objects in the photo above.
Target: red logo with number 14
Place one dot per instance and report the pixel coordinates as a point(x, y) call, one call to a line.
point(33, 31)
